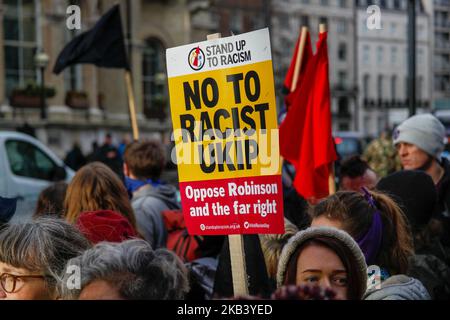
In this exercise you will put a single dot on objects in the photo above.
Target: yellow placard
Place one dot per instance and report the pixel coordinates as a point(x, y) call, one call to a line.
point(229, 117)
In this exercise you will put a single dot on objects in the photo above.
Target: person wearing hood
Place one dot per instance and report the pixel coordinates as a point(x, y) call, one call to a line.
point(143, 165)
point(324, 257)
point(415, 193)
point(420, 141)
point(399, 287)
point(105, 225)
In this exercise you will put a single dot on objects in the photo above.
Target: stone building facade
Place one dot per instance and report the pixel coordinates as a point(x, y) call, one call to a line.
point(31, 26)
point(383, 65)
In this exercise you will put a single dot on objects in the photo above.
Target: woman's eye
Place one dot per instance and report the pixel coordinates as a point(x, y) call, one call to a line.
point(340, 281)
point(312, 279)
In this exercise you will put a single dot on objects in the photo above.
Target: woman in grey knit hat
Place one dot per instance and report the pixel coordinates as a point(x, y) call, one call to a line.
point(326, 257)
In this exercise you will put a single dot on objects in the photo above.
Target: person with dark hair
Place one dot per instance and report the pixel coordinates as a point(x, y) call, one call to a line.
point(7, 209)
point(92, 156)
point(130, 270)
point(51, 201)
point(375, 221)
point(75, 158)
point(109, 155)
point(415, 193)
point(143, 165)
point(296, 209)
point(33, 255)
point(26, 128)
point(326, 257)
point(355, 173)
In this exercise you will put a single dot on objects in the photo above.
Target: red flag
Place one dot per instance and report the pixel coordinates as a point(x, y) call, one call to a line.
point(307, 54)
point(305, 134)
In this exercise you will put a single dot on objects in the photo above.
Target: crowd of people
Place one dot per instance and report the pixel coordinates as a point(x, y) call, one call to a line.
point(385, 235)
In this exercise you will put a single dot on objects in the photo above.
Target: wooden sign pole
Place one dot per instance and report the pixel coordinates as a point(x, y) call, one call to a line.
point(236, 244)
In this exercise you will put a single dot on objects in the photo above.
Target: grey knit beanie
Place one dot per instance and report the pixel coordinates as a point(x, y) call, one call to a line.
point(423, 130)
point(324, 232)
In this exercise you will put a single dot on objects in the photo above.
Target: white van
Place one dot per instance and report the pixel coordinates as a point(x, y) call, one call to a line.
point(27, 167)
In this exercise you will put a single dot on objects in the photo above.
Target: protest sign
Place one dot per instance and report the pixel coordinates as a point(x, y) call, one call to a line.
point(226, 135)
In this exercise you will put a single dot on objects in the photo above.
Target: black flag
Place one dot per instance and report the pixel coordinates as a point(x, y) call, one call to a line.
point(102, 46)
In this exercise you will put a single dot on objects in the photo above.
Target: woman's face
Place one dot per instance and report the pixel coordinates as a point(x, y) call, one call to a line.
point(24, 284)
point(318, 265)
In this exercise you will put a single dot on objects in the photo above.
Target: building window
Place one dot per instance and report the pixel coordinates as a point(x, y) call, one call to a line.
point(366, 86)
point(73, 74)
point(342, 26)
point(284, 21)
point(366, 54)
point(419, 88)
point(394, 87)
point(342, 79)
point(397, 5)
point(380, 87)
point(236, 24)
point(342, 3)
point(393, 55)
point(324, 2)
point(153, 78)
point(393, 28)
point(420, 56)
point(380, 55)
point(342, 51)
point(19, 43)
point(343, 106)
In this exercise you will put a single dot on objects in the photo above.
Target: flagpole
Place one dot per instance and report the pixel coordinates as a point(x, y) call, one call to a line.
point(331, 177)
point(299, 58)
point(132, 105)
point(298, 64)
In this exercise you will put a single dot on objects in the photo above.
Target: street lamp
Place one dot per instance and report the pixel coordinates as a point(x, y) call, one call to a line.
point(412, 56)
point(41, 61)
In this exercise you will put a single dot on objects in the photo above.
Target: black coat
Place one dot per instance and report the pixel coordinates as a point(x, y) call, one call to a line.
point(443, 204)
point(258, 279)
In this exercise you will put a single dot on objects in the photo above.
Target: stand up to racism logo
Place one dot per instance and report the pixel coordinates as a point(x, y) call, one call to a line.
point(196, 59)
